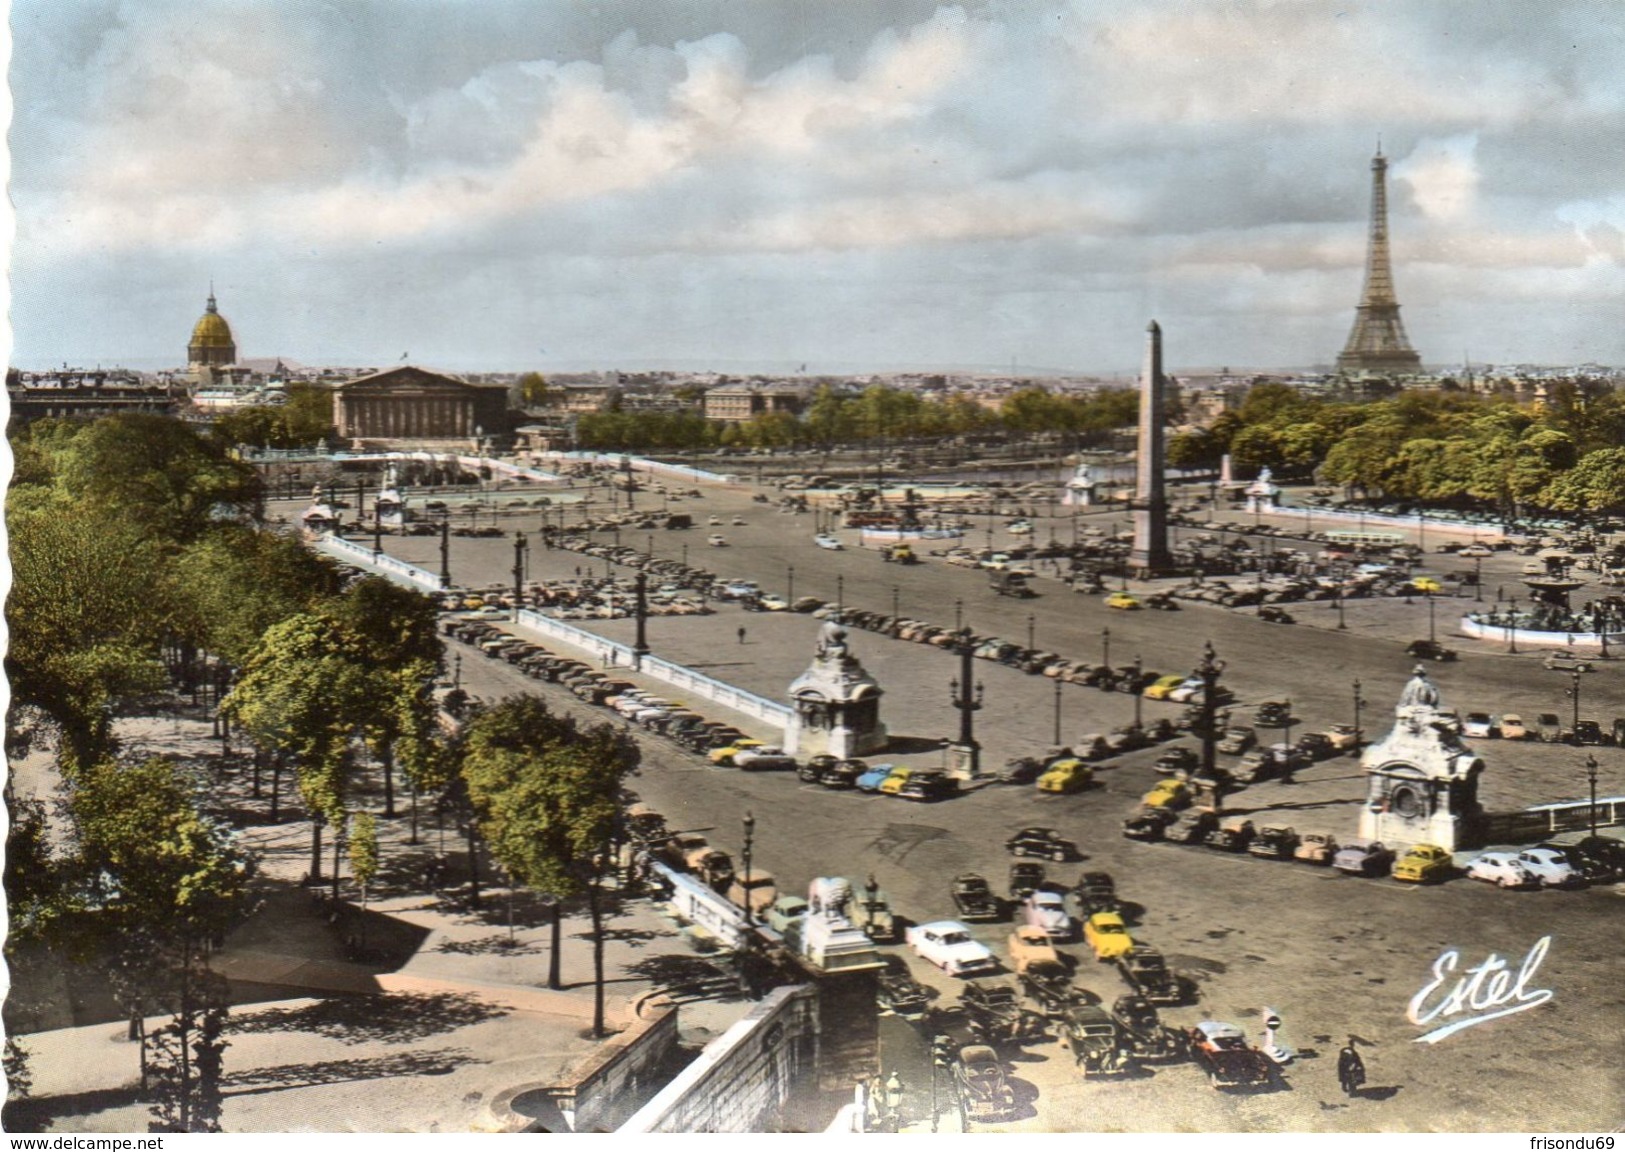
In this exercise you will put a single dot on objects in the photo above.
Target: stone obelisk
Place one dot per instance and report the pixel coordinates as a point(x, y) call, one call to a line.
point(1150, 553)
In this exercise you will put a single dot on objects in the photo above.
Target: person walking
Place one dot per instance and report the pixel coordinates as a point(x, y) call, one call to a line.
point(1350, 1069)
point(741, 633)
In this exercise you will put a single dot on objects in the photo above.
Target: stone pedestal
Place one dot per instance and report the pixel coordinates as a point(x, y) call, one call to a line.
point(964, 761)
point(1422, 781)
point(837, 704)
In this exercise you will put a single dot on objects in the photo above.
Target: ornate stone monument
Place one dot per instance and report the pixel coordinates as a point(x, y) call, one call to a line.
point(391, 508)
point(837, 703)
point(829, 938)
point(1149, 555)
point(1263, 493)
point(1422, 781)
point(1082, 490)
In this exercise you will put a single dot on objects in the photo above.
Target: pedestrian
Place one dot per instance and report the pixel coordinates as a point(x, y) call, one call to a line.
point(741, 633)
point(1350, 1069)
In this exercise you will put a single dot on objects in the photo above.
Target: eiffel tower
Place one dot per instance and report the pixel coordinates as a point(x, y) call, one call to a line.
point(1378, 342)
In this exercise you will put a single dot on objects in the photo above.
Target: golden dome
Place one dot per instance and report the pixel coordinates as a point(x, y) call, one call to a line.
point(211, 342)
point(211, 330)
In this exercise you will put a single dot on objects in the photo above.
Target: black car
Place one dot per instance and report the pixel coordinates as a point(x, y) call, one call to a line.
point(974, 899)
point(1147, 973)
point(898, 991)
point(1274, 842)
point(1429, 650)
point(1589, 732)
point(928, 786)
point(1316, 746)
point(1176, 761)
point(1272, 714)
point(1148, 823)
point(842, 774)
point(1097, 892)
point(1232, 835)
point(812, 772)
point(1041, 842)
point(1191, 827)
point(1143, 1033)
point(1273, 615)
point(997, 1017)
point(1025, 879)
point(1603, 852)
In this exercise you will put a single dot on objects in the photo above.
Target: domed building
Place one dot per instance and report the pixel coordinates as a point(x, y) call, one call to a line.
point(212, 345)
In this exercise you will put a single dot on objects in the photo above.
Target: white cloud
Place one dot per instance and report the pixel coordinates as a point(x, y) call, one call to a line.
point(1442, 176)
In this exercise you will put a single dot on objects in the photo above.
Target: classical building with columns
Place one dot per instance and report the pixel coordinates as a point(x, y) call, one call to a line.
point(410, 404)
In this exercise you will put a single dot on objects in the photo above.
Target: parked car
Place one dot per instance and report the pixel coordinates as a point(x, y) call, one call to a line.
point(786, 911)
point(1315, 746)
point(1159, 688)
point(1315, 848)
point(1030, 949)
point(997, 1017)
point(1272, 714)
point(725, 755)
point(1550, 867)
point(927, 786)
point(1092, 1036)
point(1343, 737)
point(1479, 725)
point(871, 780)
point(1274, 842)
point(1107, 935)
point(898, 991)
point(948, 944)
point(1067, 775)
point(1041, 842)
point(763, 759)
point(760, 889)
point(1147, 973)
point(1046, 910)
point(1122, 600)
point(1501, 869)
point(825, 540)
point(1237, 740)
point(717, 540)
point(1429, 650)
point(1221, 1050)
point(986, 1093)
point(974, 899)
point(1511, 727)
point(1233, 834)
point(1271, 614)
point(1588, 732)
point(1143, 1034)
point(1097, 892)
point(1550, 727)
point(1148, 823)
point(1169, 793)
point(1026, 878)
point(813, 770)
point(1363, 858)
point(1177, 761)
point(1193, 826)
point(843, 774)
point(1424, 863)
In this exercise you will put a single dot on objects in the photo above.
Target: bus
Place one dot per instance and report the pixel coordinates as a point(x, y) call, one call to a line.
point(1348, 540)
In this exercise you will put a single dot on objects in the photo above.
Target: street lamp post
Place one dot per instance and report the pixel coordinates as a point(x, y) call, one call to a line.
point(518, 573)
point(750, 829)
point(896, 591)
point(1359, 702)
point(1574, 695)
point(1591, 779)
point(1138, 695)
point(1106, 648)
point(640, 646)
point(1031, 622)
point(1512, 628)
point(445, 551)
point(1209, 669)
point(959, 615)
point(840, 592)
point(1057, 740)
point(377, 531)
point(1478, 578)
point(1342, 625)
point(968, 701)
point(457, 670)
point(1432, 633)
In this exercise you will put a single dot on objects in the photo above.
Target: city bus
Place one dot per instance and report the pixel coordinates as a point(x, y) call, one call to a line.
point(1348, 541)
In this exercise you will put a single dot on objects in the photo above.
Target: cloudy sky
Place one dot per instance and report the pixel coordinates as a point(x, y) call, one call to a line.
point(751, 183)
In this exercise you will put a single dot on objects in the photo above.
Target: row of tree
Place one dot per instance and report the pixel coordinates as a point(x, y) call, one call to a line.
point(1448, 448)
point(138, 563)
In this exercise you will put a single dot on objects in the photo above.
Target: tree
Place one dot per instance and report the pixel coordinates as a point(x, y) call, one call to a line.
point(363, 860)
point(548, 797)
point(305, 690)
point(85, 611)
point(533, 390)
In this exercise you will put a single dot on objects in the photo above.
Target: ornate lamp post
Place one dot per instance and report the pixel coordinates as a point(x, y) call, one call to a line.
point(445, 551)
point(1433, 635)
point(1591, 779)
point(959, 615)
point(871, 890)
point(750, 829)
point(896, 591)
point(457, 670)
point(1342, 625)
point(1031, 621)
point(377, 531)
point(790, 579)
point(1359, 702)
point(1209, 670)
point(1574, 695)
point(1057, 740)
point(1512, 628)
point(640, 646)
point(1106, 647)
point(518, 573)
point(1478, 578)
point(961, 695)
point(1139, 696)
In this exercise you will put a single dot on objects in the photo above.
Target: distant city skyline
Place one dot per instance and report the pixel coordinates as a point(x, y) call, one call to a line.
point(892, 186)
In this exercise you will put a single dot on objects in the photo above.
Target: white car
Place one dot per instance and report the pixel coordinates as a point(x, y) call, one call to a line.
point(768, 753)
point(717, 540)
point(1503, 869)
point(1047, 911)
point(772, 603)
point(1475, 552)
point(1479, 724)
point(1549, 867)
point(825, 540)
point(1513, 727)
point(948, 945)
point(1188, 691)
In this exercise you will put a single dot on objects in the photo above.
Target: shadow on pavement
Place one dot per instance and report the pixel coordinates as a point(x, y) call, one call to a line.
point(440, 1062)
point(400, 1018)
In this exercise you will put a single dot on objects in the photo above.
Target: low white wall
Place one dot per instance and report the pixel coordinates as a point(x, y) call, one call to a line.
point(380, 562)
point(1480, 630)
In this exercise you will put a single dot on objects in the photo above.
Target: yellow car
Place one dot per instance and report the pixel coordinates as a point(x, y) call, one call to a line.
point(1163, 685)
point(1107, 935)
point(1168, 794)
point(1066, 776)
point(725, 755)
point(1424, 863)
point(893, 784)
point(1427, 584)
point(1121, 600)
